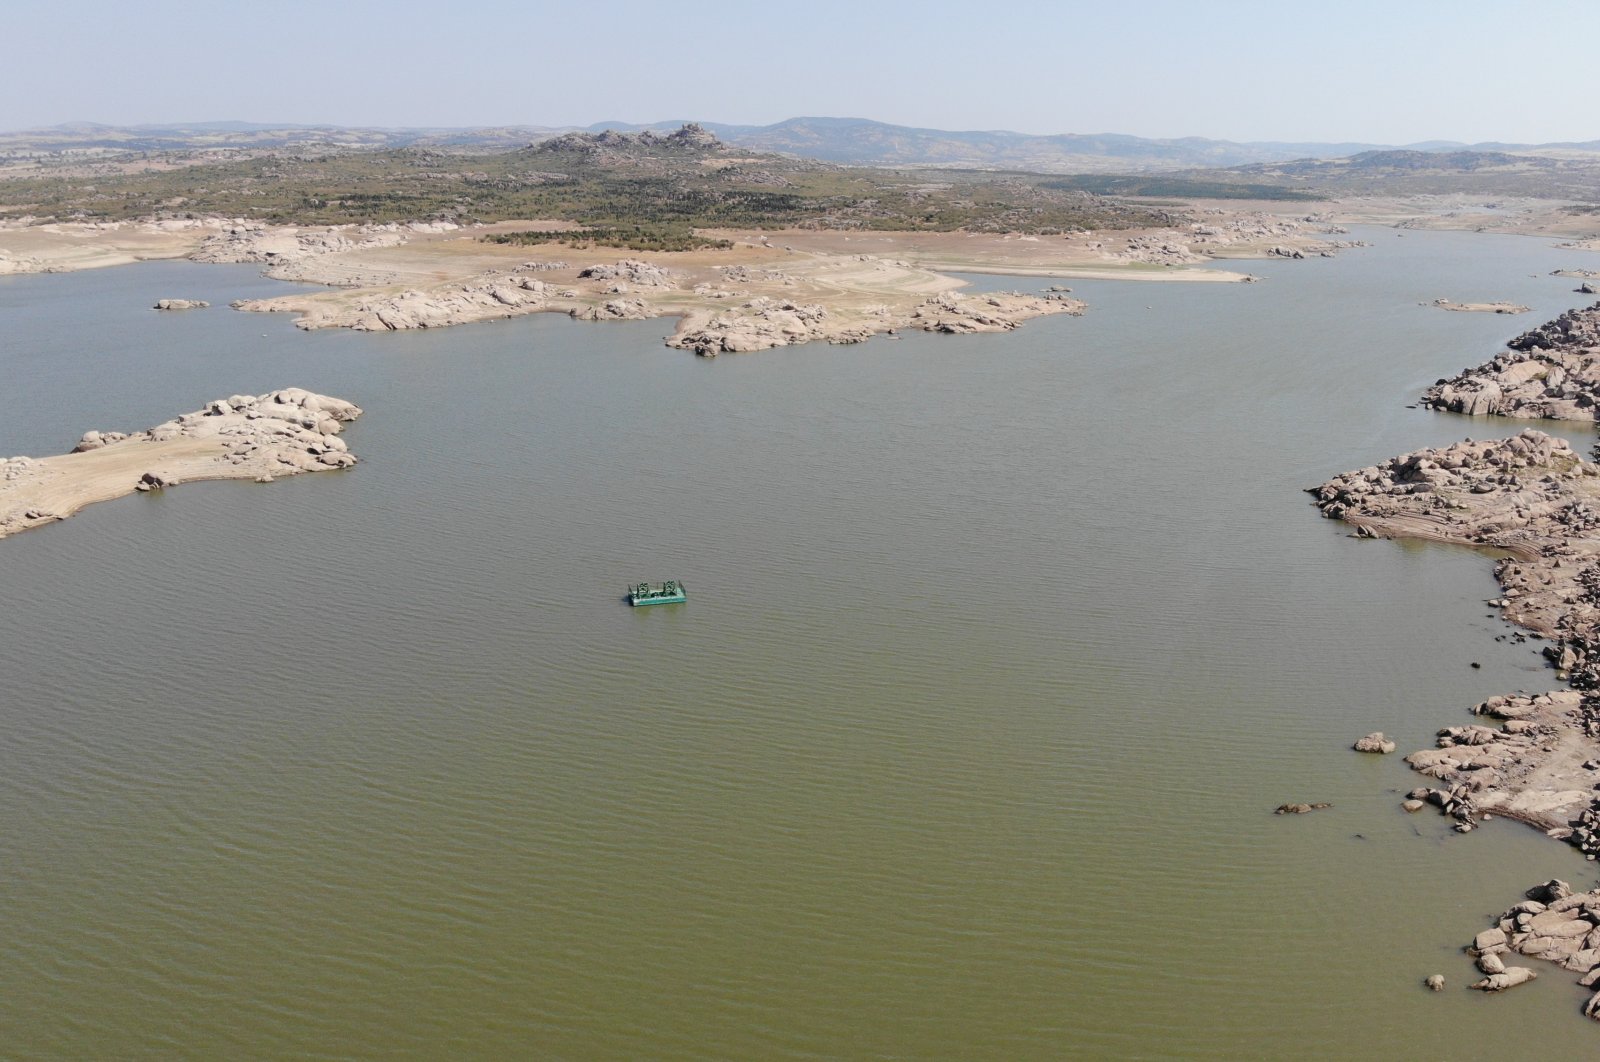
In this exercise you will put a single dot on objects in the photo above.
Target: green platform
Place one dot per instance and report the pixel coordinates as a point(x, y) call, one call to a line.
point(668, 593)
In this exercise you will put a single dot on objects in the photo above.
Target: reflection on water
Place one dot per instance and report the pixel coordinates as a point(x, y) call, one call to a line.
point(999, 652)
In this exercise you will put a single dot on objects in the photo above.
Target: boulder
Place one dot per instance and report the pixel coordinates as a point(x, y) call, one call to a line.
point(1374, 742)
point(1511, 978)
point(1489, 940)
point(1550, 892)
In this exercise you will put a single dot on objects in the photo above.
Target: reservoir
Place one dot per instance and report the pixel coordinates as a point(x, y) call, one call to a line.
point(998, 653)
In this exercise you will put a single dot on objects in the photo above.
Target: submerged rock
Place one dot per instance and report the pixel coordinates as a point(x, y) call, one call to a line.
point(1513, 976)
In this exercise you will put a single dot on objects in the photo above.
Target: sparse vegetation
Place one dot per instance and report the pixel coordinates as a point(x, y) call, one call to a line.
point(637, 238)
point(646, 192)
point(1176, 187)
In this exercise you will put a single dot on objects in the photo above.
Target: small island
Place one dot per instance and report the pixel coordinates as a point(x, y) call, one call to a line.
point(261, 437)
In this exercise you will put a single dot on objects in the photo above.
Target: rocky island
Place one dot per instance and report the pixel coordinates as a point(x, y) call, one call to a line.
point(260, 437)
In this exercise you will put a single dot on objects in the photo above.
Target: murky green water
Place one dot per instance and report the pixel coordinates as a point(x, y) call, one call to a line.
point(999, 652)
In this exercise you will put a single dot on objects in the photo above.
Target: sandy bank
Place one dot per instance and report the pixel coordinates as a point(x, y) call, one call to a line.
point(260, 437)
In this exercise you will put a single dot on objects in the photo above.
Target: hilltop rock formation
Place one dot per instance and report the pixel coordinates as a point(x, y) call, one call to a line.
point(261, 437)
point(1549, 372)
point(691, 137)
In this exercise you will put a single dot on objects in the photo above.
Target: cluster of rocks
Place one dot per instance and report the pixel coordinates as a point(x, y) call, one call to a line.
point(1224, 229)
point(761, 324)
point(260, 437)
point(494, 295)
point(626, 272)
point(614, 310)
point(181, 304)
point(1533, 497)
point(1552, 371)
point(743, 274)
point(292, 427)
point(1455, 802)
point(1553, 923)
point(1528, 473)
point(283, 248)
point(1160, 249)
point(955, 314)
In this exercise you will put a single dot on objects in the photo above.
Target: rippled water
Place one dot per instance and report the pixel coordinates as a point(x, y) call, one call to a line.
point(998, 654)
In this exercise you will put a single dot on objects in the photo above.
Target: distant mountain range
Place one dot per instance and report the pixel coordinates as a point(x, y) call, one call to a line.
point(852, 141)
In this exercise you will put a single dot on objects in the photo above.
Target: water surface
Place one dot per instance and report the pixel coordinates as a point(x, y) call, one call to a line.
point(998, 654)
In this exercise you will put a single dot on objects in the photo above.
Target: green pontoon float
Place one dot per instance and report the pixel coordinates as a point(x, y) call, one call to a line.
point(668, 593)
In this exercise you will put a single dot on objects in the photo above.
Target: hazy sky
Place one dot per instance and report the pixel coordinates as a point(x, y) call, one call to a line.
point(1387, 72)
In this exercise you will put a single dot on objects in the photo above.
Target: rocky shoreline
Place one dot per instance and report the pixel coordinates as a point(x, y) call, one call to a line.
point(1531, 757)
point(259, 437)
point(1547, 373)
